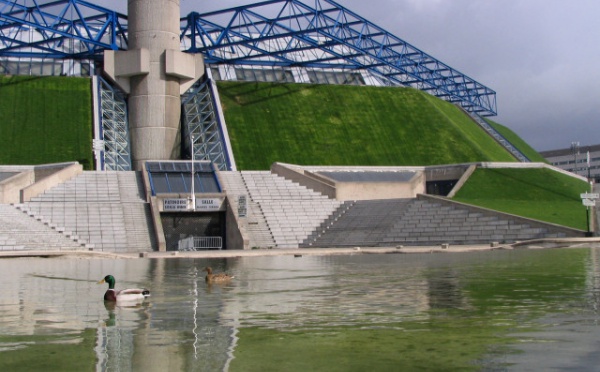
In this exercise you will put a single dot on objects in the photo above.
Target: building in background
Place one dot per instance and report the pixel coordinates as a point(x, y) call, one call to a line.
point(581, 160)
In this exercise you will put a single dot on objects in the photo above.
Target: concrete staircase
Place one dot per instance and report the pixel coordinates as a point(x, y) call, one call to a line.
point(358, 223)
point(107, 210)
point(422, 222)
point(23, 230)
point(427, 222)
point(254, 223)
point(291, 211)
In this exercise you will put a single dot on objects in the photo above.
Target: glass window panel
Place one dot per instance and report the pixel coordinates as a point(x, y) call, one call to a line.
point(179, 182)
point(159, 180)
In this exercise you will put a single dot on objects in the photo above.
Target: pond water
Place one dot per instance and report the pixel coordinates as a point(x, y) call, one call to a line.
point(482, 311)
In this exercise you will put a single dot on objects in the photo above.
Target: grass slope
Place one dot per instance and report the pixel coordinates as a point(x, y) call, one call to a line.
point(541, 194)
point(45, 120)
point(518, 142)
point(348, 125)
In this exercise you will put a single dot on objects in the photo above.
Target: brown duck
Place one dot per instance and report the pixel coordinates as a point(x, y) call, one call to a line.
point(216, 278)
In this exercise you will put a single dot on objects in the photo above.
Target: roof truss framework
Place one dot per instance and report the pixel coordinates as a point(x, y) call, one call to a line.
point(279, 33)
point(115, 147)
point(59, 29)
point(291, 33)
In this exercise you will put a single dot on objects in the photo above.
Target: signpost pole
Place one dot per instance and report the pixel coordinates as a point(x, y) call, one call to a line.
point(589, 200)
point(587, 221)
point(193, 190)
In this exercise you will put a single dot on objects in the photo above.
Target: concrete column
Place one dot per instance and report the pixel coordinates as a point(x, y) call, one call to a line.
point(154, 101)
point(154, 72)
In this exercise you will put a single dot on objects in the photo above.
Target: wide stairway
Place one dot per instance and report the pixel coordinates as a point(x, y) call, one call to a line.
point(419, 222)
point(290, 211)
point(253, 224)
point(106, 210)
point(20, 230)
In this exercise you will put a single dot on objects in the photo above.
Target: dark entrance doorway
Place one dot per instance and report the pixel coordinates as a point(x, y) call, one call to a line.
point(441, 188)
point(178, 226)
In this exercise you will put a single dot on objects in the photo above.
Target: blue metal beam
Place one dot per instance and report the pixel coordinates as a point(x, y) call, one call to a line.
point(59, 29)
point(276, 33)
point(333, 37)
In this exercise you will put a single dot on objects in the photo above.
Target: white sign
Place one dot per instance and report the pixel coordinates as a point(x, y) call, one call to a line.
point(588, 195)
point(589, 202)
point(209, 204)
point(175, 204)
point(202, 204)
point(242, 206)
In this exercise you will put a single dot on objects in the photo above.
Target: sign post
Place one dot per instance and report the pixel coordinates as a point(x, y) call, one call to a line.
point(588, 200)
point(192, 189)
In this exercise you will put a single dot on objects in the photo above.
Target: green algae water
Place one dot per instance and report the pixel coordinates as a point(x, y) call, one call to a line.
point(481, 311)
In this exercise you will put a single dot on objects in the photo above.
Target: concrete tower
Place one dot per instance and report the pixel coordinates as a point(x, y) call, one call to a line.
point(154, 73)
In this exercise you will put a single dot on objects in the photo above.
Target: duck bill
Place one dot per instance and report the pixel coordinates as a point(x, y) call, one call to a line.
point(100, 282)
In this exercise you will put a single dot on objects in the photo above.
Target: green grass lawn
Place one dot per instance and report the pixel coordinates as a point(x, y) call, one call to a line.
point(45, 120)
point(518, 142)
point(540, 194)
point(348, 125)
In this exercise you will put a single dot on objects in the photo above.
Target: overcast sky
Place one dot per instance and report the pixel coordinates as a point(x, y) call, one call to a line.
point(542, 57)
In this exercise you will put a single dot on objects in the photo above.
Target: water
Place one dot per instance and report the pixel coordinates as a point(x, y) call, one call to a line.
point(490, 311)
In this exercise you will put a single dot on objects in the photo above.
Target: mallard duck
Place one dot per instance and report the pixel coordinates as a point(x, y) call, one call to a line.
point(216, 278)
point(124, 295)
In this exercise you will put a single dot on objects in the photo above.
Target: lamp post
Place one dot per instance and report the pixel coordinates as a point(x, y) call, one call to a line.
point(588, 167)
point(575, 151)
point(193, 190)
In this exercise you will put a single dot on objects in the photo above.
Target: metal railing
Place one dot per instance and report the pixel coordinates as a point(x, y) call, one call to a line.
point(195, 243)
point(496, 135)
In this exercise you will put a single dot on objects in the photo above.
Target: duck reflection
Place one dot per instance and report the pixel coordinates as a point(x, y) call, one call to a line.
point(116, 338)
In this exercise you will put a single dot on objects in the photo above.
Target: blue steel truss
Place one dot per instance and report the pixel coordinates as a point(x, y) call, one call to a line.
point(276, 33)
point(114, 130)
point(59, 29)
point(200, 122)
point(289, 33)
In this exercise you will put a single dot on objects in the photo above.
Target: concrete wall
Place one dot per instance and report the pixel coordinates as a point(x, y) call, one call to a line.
point(10, 188)
point(307, 179)
point(381, 190)
point(157, 222)
point(461, 181)
point(446, 173)
point(233, 234)
point(32, 180)
point(56, 174)
point(353, 190)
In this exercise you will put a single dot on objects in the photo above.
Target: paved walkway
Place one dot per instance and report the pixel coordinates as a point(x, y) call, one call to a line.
point(531, 244)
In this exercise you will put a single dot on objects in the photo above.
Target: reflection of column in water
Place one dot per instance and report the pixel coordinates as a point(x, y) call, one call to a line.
point(195, 308)
point(115, 345)
point(211, 338)
point(593, 280)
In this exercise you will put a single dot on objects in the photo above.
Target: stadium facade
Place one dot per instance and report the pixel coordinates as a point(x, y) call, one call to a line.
point(156, 107)
point(154, 53)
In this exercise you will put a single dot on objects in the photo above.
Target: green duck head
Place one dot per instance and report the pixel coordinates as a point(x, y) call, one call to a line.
point(110, 280)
